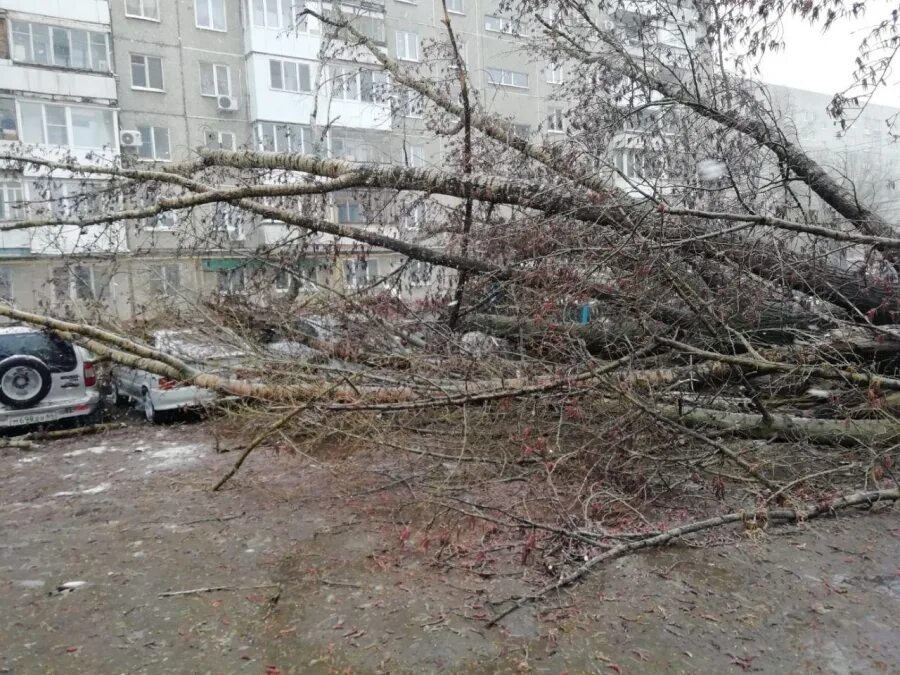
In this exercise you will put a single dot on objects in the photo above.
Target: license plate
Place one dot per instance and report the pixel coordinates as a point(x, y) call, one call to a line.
point(35, 418)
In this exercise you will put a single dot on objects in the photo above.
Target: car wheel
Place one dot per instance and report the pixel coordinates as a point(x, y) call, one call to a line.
point(150, 412)
point(24, 381)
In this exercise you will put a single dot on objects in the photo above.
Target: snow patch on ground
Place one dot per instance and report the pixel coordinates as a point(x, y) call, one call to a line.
point(103, 487)
point(174, 456)
point(95, 450)
point(29, 460)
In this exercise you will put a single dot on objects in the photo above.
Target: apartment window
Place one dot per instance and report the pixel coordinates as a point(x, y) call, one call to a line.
point(360, 273)
point(520, 130)
point(146, 72)
point(210, 14)
point(407, 46)
point(497, 24)
point(274, 137)
point(220, 140)
point(279, 14)
point(9, 127)
point(46, 124)
point(350, 146)
point(167, 220)
point(165, 280)
point(415, 156)
point(60, 47)
point(554, 74)
point(555, 121)
point(73, 283)
point(154, 143)
point(409, 103)
point(12, 200)
point(142, 9)
point(455, 6)
point(414, 216)
point(349, 210)
point(418, 273)
point(215, 79)
point(289, 76)
point(356, 84)
point(507, 78)
point(231, 281)
point(6, 293)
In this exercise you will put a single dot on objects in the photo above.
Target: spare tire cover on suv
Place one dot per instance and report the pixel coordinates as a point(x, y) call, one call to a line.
point(24, 381)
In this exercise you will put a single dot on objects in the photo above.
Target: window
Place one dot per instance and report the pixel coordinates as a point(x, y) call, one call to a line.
point(154, 143)
point(555, 121)
point(274, 137)
point(279, 14)
point(142, 9)
point(349, 210)
point(215, 79)
point(409, 103)
point(418, 273)
point(357, 84)
point(289, 76)
point(73, 283)
point(350, 145)
point(360, 273)
point(228, 220)
point(554, 74)
point(455, 6)
point(282, 281)
point(210, 14)
point(415, 156)
point(520, 130)
point(507, 78)
point(43, 123)
point(146, 72)
point(407, 46)
point(61, 47)
point(220, 140)
point(231, 281)
point(58, 354)
point(12, 200)
point(167, 220)
point(414, 216)
point(165, 280)
point(9, 127)
point(496, 24)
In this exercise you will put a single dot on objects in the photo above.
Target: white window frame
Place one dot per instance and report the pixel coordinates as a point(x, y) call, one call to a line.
point(456, 6)
point(217, 88)
point(406, 40)
point(497, 24)
point(70, 135)
point(143, 16)
point(161, 274)
point(297, 65)
point(153, 143)
point(51, 55)
point(273, 126)
point(158, 222)
point(12, 191)
point(507, 78)
point(342, 75)
point(415, 156)
point(74, 282)
point(554, 74)
point(555, 121)
point(352, 278)
point(232, 143)
point(209, 8)
point(410, 103)
point(418, 273)
point(162, 73)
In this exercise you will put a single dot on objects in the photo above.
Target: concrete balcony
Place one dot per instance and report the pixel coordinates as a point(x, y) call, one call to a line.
point(57, 82)
point(93, 11)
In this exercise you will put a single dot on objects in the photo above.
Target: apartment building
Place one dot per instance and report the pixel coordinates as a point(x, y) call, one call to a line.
point(148, 82)
point(58, 100)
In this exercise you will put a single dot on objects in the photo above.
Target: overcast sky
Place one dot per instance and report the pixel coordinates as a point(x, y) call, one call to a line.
point(824, 62)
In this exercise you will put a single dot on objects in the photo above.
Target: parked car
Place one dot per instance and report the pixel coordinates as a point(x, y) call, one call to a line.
point(43, 378)
point(159, 396)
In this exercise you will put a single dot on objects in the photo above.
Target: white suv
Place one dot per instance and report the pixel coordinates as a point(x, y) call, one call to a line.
point(43, 378)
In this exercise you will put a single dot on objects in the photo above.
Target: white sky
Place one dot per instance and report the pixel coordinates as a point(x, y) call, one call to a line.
point(824, 62)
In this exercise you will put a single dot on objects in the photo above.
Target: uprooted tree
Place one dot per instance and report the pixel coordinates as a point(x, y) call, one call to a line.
point(640, 308)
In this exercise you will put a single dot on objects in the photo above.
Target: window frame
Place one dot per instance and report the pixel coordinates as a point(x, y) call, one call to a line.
point(70, 133)
point(152, 135)
point(556, 121)
point(283, 74)
point(160, 275)
point(143, 17)
point(162, 74)
point(304, 130)
point(51, 52)
point(406, 35)
point(209, 4)
point(461, 10)
point(503, 76)
point(7, 212)
point(215, 79)
point(352, 280)
point(554, 74)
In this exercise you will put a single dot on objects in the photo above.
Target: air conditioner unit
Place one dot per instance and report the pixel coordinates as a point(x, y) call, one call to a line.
point(130, 139)
point(227, 103)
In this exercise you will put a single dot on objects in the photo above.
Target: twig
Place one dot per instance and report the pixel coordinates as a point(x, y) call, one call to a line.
point(770, 515)
point(212, 589)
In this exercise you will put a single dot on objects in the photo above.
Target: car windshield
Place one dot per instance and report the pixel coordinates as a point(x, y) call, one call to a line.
point(194, 347)
point(56, 353)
